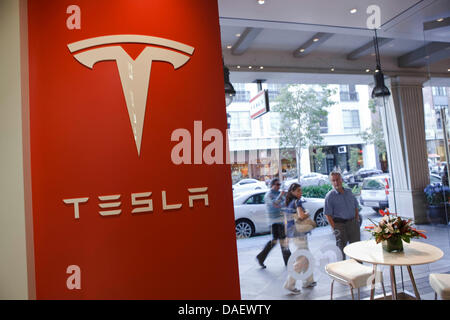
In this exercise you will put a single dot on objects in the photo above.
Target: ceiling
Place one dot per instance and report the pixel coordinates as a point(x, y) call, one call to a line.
point(272, 34)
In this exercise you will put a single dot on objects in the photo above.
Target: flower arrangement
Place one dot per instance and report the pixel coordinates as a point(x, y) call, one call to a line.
point(393, 229)
point(437, 194)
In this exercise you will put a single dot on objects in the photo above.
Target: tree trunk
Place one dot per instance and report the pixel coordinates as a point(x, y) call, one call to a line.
point(298, 157)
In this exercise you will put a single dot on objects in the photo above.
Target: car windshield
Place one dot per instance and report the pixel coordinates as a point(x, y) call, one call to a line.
point(373, 184)
point(435, 179)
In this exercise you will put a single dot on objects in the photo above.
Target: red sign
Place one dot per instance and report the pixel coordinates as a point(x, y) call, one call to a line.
point(114, 217)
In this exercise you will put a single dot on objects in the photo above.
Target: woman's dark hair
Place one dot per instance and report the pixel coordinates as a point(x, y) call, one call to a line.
point(274, 181)
point(290, 196)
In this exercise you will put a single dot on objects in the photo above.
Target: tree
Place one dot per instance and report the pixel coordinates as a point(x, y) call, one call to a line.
point(319, 156)
point(355, 159)
point(302, 108)
point(375, 135)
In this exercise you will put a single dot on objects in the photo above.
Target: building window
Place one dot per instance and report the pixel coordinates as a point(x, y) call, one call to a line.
point(242, 95)
point(274, 123)
point(348, 93)
point(274, 90)
point(438, 115)
point(350, 119)
point(438, 91)
point(324, 125)
point(240, 125)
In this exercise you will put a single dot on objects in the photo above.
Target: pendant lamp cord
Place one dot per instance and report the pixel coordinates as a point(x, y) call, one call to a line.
point(377, 50)
point(377, 54)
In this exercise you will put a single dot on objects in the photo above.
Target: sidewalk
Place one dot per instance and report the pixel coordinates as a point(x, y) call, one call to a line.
point(267, 284)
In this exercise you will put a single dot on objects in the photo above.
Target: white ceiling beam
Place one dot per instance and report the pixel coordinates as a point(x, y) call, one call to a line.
point(427, 54)
point(366, 49)
point(245, 40)
point(312, 44)
point(435, 24)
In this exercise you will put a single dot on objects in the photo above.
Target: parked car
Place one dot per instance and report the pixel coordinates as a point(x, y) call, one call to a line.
point(309, 179)
point(364, 173)
point(251, 216)
point(373, 192)
point(248, 185)
point(435, 178)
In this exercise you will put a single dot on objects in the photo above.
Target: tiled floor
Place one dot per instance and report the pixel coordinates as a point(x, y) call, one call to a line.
point(267, 284)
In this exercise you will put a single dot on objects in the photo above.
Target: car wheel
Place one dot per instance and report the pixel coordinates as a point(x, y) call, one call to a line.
point(244, 229)
point(320, 219)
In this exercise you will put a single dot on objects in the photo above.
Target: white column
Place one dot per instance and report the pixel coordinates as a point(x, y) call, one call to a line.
point(369, 156)
point(305, 163)
point(14, 267)
point(407, 153)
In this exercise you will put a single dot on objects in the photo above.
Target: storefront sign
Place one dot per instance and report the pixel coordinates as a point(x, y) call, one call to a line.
point(113, 216)
point(259, 104)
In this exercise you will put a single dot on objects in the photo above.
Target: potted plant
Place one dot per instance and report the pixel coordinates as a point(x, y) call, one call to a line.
point(437, 197)
point(392, 230)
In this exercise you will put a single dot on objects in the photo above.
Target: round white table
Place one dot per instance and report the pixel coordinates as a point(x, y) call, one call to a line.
point(414, 253)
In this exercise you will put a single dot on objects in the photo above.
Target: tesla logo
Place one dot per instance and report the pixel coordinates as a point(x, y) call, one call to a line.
point(134, 74)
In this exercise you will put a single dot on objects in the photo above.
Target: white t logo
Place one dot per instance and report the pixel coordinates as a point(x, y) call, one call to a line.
point(134, 74)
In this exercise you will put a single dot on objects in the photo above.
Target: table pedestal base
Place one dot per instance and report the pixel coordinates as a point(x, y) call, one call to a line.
point(400, 296)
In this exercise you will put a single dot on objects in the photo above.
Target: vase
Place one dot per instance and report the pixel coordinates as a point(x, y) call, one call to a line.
point(393, 244)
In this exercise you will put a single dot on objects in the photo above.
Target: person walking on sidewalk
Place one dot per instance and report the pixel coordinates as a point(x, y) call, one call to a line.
point(274, 202)
point(297, 212)
point(342, 212)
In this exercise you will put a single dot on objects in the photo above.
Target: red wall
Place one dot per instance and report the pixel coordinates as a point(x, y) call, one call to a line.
point(82, 145)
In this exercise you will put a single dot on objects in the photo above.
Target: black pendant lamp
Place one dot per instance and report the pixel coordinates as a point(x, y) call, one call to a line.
point(229, 90)
point(380, 89)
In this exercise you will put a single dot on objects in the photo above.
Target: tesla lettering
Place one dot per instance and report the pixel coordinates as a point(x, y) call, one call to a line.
point(143, 200)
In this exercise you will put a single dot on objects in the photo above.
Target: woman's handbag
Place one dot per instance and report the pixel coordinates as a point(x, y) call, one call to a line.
point(305, 225)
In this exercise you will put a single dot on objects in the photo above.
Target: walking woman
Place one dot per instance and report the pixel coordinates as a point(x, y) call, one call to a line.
point(295, 211)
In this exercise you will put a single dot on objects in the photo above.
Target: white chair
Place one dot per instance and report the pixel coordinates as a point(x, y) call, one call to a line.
point(441, 285)
point(352, 273)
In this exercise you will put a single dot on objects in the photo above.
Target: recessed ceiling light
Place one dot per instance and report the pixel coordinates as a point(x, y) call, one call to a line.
point(440, 20)
point(448, 69)
point(238, 67)
point(367, 70)
point(249, 67)
point(229, 46)
point(332, 69)
point(353, 11)
point(302, 50)
point(316, 39)
point(238, 35)
point(261, 1)
point(261, 67)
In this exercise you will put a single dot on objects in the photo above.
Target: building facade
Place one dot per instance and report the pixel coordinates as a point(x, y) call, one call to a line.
point(254, 143)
